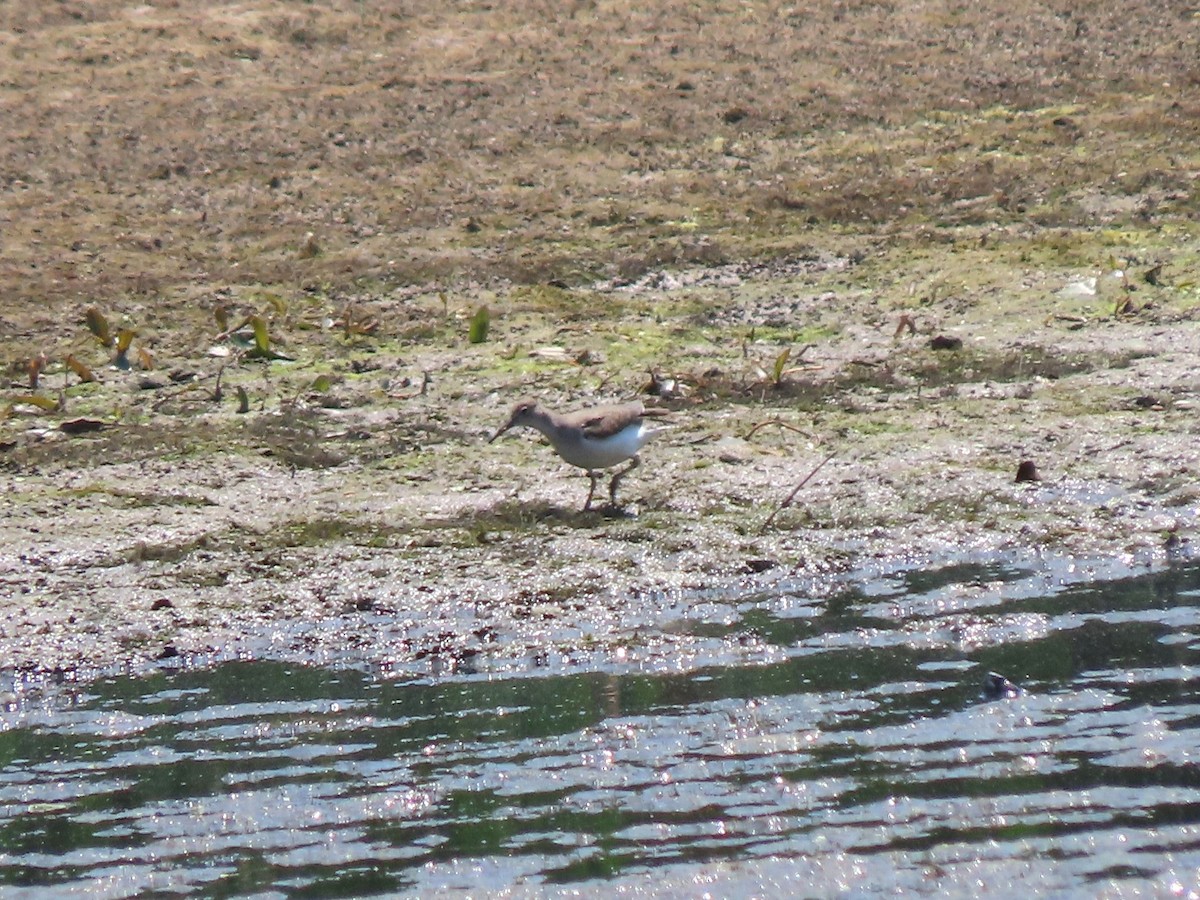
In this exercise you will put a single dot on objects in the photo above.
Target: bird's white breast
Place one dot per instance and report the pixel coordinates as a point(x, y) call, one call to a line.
point(601, 453)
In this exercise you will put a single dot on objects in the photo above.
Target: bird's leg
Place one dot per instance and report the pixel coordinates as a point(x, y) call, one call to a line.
point(616, 479)
point(592, 490)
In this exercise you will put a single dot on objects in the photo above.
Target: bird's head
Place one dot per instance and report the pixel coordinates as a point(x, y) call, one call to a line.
point(521, 414)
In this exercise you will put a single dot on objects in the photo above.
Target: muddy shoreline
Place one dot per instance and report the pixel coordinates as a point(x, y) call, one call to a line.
point(369, 521)
point(244, 246)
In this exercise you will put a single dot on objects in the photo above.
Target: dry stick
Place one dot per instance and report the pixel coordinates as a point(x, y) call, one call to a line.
point(795, 491)
point(225, 335)
point(187, 388)
point(782, 424)
point(426, 381)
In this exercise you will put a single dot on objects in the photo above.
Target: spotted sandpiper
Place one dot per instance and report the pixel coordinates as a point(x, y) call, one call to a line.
point(593, 439)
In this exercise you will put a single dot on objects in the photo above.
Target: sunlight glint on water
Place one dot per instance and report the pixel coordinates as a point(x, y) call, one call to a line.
point(840, 767)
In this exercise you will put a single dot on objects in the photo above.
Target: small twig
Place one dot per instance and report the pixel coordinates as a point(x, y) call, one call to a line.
point(426, 381)
point(782, 424)
point(790, 497)
point(190, 386)
point(906, 323)
point(229, 332)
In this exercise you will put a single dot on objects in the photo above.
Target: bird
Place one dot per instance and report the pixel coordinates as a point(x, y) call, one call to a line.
point(596, 438)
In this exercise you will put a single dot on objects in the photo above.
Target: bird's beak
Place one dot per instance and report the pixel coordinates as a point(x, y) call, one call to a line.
point(507, 425)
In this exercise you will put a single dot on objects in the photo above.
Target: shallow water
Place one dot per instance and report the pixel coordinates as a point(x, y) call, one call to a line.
point(854, 755)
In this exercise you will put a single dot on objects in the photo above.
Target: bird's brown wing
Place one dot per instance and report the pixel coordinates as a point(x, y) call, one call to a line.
point(604, 421)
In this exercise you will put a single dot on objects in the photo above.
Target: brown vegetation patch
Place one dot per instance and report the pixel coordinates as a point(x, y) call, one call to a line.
point(156, 149)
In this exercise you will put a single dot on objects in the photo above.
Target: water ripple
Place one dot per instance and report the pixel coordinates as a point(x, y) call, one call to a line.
point(857, 753)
